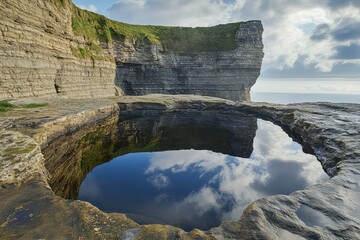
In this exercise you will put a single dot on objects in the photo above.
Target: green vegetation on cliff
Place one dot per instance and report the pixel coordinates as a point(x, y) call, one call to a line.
point(199, 39)
point(5, 106)
point(95, 27)
point(34, 105)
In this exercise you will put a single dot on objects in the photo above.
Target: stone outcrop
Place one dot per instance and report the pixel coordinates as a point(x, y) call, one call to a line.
point(328, 210)
point(41, 55)
point(225, 74)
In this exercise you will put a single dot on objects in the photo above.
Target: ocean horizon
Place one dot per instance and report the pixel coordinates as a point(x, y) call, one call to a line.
point(298, 90)
point(287, 98)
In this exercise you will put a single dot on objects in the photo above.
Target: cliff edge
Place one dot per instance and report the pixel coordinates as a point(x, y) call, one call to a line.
point(53, 48)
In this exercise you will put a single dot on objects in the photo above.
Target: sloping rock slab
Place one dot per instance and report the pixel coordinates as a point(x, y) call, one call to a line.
point(30, 210)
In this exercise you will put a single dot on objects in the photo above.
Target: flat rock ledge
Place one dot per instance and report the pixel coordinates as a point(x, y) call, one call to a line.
point(30, 210)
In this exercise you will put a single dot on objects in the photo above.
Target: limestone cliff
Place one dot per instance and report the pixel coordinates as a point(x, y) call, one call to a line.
point(226, 74)
point(36, 58)
point(50, 48)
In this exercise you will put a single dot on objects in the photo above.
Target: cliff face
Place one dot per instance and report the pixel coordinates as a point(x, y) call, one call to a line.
point(35, 54)
point(50, 48)
point(225, 74)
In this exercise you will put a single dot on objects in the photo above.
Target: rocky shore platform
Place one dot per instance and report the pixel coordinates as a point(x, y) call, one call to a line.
point(30, 209)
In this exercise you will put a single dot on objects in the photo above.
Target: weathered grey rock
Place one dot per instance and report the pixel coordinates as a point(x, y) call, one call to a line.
point(70, 157)
point(328, 210)
point(228, 74)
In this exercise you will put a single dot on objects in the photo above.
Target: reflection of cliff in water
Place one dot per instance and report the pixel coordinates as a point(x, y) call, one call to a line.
point(70, 158)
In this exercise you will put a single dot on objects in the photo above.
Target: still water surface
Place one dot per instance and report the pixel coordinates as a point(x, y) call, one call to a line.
point(200, 188)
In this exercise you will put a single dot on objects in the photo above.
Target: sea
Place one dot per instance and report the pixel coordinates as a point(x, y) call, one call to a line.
point(286, 91)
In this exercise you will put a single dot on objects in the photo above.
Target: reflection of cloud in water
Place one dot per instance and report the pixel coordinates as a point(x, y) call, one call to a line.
point(203, 207)
point(277, 166)
point(280, 173)
point(159, 181)
point(195, 201)
point(181, 160)
point(191, 188)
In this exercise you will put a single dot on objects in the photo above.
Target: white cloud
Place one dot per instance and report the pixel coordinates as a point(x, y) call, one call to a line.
point(235, 176)
point(288, 24)
point(91, 8)
point(159, 181)
point(176, 12)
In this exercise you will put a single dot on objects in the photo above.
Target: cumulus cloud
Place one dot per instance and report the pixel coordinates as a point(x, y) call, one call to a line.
point(175, 12)
point(302, 34)
point(336, 4)
point(90, 7)
point(321, 32)
point(159, 181)
point(347, 29)
point(239, 180)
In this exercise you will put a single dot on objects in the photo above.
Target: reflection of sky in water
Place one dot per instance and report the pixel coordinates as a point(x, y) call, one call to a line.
point(192, 188)
point(312, 217)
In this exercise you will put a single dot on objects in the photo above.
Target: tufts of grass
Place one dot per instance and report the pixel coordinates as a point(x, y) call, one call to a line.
point(5, 106)
point(95, 27)
point(199, 39)
point(90, 50)
point(61, 3)
point(81, 52)
point(34, 105)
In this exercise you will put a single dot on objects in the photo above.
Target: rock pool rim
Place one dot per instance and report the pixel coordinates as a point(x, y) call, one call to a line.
point(304, 120)
point(157, 106)
point(111, 191)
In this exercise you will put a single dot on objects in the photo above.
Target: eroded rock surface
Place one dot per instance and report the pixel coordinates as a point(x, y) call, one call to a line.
point(36, 59)
point(328, 210)
point(224, 74)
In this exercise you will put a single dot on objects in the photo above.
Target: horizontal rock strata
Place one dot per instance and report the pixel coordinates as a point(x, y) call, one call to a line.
point(40, 55)
point(328, 210)
point(224, 74)
point(36, 58)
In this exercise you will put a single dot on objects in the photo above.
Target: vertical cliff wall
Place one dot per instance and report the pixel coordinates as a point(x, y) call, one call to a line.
point(225, 73)
point(51, 48)
point(36, 57)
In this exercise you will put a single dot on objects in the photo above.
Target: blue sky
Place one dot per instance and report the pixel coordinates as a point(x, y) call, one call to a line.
point(302, 38)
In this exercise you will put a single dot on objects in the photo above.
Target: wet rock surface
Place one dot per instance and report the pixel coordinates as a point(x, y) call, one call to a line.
point(329, 210)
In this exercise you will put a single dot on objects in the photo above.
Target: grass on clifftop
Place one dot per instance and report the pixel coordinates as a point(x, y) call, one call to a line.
point(7, 106)
point(95, 27)
point(34, 105)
